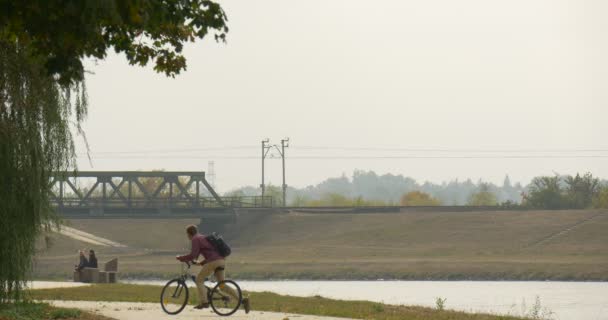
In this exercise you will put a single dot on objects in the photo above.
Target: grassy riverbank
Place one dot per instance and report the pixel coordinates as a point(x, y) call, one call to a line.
point(268, 302)
point(43, 311)
point(492, 245)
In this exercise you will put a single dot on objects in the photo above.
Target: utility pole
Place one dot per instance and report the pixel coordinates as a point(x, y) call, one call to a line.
point(265, 150)
point(211, 173)
point(284, 144)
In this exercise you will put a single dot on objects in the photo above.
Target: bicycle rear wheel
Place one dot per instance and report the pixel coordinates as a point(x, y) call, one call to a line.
point(226, 298)
point(174, 297)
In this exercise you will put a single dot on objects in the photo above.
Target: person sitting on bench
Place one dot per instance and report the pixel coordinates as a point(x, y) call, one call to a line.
point(92, 259)
point(83, 262)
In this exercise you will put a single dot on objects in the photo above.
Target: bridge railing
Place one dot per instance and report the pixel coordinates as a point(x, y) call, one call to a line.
point(202, 202)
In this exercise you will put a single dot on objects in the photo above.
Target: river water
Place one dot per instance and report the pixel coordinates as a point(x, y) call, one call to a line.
point(554, 300)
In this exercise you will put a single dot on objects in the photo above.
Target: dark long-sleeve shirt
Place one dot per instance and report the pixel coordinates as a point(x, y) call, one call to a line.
point(201, 246)
point(83, 263)
point(92, 262)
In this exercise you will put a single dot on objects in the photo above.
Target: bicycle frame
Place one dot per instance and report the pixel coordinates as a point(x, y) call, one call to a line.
point(187, 275)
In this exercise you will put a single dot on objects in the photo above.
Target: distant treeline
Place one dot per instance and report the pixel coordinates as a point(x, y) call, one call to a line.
point(366, 188)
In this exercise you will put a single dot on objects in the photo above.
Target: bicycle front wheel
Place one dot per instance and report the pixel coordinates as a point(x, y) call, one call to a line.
point(226, 298)
point(174, 297)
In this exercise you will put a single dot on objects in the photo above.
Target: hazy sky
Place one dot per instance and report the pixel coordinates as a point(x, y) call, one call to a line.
point(373, 85)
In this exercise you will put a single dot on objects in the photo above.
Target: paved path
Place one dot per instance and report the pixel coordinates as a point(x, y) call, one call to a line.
point(152, 311)
point(54, 284)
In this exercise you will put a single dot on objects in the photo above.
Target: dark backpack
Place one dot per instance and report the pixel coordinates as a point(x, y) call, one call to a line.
point(219, 244)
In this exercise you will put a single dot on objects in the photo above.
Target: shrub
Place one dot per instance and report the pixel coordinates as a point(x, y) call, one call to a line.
point(418, 198)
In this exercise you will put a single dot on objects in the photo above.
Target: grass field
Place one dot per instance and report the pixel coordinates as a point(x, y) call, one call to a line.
point(43, 311)
point(269, 302)
point(522, 245)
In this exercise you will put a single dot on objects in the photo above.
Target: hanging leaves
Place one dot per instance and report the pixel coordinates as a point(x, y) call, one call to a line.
point(62, 33)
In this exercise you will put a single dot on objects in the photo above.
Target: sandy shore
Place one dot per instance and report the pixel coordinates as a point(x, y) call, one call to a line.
point(152, 311)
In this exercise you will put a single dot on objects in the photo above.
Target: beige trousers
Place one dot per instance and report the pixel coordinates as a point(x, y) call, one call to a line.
point(205, 272)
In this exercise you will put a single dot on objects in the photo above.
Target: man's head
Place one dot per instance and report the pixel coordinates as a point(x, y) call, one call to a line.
point(81, 252)
point(91, 253)
point(191, 231)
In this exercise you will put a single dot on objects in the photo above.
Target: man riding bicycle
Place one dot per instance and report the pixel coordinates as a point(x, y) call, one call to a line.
point(213, 263)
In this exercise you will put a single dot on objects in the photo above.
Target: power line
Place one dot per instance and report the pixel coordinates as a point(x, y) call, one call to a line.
point(174, 150)
point(363, 149)
point(447, 149)
point(313, 157)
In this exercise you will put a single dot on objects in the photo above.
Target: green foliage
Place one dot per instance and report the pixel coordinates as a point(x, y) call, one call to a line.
point(62, 33)
point(601, 199)
point(23, 311)
point(483, 198)
point(35, 311)
point(440, 303)
point(581, 190)
point(65, 313)
point(299, 200)
point(546, 193)
point(378, 308)
point(538, 312)
point(418, 198)
point(338, 200)
point(276, 193)
point(568, 192)
point(35, 140)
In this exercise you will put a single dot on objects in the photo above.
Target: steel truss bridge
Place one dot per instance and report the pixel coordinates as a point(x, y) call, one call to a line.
point(139, 193)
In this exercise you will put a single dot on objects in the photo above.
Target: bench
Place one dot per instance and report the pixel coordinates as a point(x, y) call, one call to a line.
point(94, 275)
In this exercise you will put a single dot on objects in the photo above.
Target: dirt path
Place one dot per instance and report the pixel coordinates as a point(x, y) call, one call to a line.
point(87, 237)
point(152, 311)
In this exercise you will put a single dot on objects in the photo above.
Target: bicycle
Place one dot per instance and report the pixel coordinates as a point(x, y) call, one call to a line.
point(174, 296)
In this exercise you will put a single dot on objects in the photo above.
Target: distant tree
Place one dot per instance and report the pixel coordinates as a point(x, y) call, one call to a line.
point(418, 198)
point(338, 200)
point(299, 201)
point(546, 193)
point(341, 185)
point(484, 197)
point(235, 193)
point(581, 190)
point(374, 189)
point(557, 192)
point(507, 183)
point(601, 198)
point(276, 193)
point(335, 199)
point(508, 193)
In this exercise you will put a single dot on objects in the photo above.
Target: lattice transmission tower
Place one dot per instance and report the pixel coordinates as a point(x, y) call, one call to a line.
point(211, 173)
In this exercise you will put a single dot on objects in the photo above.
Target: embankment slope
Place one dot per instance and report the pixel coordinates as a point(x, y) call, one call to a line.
point(522, 245)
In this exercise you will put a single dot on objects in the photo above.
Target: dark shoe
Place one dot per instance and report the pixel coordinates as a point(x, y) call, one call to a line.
point(202, 306)
point(246, 305)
